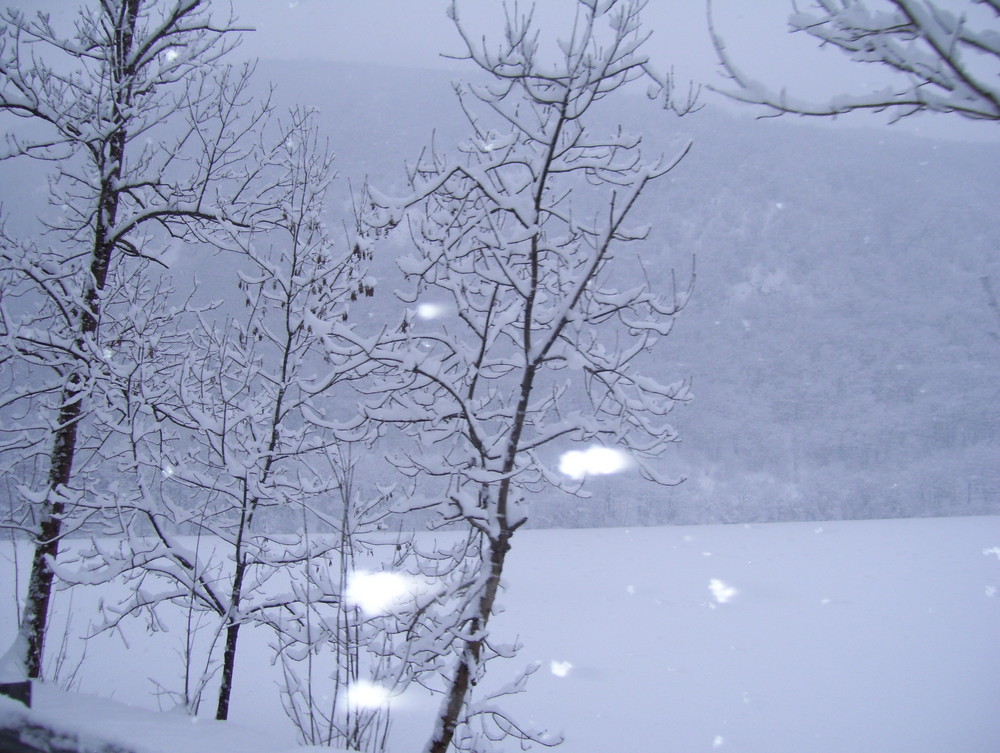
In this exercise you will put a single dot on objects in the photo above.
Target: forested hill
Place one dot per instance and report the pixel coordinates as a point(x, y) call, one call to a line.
point(839, 338)
point(844, 359)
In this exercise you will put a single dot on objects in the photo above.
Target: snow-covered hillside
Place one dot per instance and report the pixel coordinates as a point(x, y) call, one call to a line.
point(866, 636)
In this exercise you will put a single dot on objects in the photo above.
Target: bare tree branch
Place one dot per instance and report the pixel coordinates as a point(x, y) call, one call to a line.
point(947, 60)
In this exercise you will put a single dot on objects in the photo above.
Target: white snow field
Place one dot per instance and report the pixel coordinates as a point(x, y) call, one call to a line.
point(845, 637)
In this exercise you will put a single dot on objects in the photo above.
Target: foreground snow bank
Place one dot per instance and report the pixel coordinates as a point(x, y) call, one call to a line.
point(61, 721)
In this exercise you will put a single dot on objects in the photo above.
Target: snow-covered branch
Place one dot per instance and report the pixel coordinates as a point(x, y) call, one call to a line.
point(945, 59)
point(526, 321)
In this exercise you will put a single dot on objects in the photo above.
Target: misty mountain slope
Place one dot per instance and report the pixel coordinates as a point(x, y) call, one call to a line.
point(839, 339)
point(840, 330)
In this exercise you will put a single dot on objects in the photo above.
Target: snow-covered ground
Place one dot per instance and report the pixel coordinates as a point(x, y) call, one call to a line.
point(86, 723)
point(866, 637)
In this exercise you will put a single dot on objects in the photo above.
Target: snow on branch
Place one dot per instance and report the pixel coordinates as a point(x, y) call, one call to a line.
point(946, 60)
point(541, 320)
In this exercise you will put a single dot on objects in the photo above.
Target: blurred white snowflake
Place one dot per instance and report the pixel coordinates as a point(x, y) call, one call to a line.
point(594, 461)
point(722, 592)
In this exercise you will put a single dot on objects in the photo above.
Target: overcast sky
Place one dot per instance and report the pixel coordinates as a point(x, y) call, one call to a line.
point(415, 33)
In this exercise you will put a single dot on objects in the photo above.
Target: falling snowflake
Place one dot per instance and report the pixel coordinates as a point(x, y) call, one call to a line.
point(560, 668)
point(381, 592)
point(722, 592)
point(367, 695)
point(594, 461)
point(432, 310)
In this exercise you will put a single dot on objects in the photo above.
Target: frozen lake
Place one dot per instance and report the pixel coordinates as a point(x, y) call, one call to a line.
point(867, 637)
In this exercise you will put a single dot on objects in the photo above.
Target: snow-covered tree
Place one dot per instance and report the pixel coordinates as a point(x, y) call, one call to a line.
point(333, 638)
point(240, 438)
point(947, 58)
point(528, 319)
point(139, 123)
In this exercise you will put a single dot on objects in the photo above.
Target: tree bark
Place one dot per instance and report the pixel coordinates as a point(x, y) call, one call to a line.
point(109, 162)
point(468, 664)
point(228, 670)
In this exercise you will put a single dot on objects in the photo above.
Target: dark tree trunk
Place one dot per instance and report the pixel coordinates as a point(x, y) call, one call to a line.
point(36, 610)
point(468, 664)
point(109, 164)
point(233, 629)
point(239, 574)
point(228, 669)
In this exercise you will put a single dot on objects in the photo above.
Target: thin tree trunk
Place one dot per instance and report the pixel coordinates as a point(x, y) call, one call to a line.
point(35, 618)
point(235, 599)
point(35, 621)
point(228, 669)
point(468, 664)
point(246, 522)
